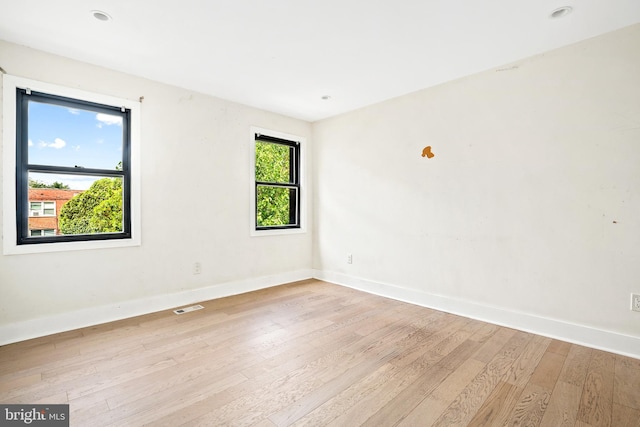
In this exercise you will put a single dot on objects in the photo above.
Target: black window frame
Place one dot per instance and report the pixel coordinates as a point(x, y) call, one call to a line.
point(293, 185)
point(23, 167)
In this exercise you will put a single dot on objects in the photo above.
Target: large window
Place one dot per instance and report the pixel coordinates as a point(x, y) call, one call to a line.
point(73, 165)
point(77, 145)
point(277, 183)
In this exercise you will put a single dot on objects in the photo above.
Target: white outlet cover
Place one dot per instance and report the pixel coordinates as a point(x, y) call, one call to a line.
point(635, 302)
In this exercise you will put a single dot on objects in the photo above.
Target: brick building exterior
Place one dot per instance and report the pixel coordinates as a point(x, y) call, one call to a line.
point(44, 209)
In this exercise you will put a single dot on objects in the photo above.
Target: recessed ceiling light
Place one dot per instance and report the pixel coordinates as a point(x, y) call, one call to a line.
point(100, 15)
point(561, 12)
point(326, 97)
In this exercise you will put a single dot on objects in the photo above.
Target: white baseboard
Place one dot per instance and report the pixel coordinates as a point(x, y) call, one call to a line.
point(39, 327)
point(578, 334)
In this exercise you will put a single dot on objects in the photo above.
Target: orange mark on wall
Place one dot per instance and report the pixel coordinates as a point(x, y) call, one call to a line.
point(426, 151)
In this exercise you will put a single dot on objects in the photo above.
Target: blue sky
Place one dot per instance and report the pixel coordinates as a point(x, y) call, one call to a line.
point(63, 136)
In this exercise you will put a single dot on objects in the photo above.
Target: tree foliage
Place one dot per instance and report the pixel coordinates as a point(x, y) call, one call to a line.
point(273, 166)
point(34, 183)
point(96, 210)
point(273, 206)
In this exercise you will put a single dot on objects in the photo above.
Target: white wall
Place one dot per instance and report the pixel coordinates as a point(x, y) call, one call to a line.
point(529, 213)
point(195, 207)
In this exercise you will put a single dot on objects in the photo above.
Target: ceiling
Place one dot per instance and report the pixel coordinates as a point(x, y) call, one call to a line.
point(286, 55)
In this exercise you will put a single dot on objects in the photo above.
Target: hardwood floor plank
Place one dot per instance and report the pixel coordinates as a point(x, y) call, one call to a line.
point(548, 370)
point(357, 392)
point(499, 406)
point(465, 406)
point(18, 382)
point(103, 383)
point(316, 354)
point(559, 347)
point(623, 416)
point(412, 395)
point(493, 345)
point(293, 357)
point(84, 415)
point(575, 366)
point(430, 341)
point(564, 402)
point(16, 360)
point(312, 400)
point(531, 407)
point(596, 404)
point(172, 378)
point(485, 332)
point(523, 367)
point(431, 407)
point(401, 377)
point(496, 410)
point(397, 407)
point(627, 382)
point(144, 409)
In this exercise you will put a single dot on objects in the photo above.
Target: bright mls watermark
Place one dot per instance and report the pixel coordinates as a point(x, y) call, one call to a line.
point(34, 415)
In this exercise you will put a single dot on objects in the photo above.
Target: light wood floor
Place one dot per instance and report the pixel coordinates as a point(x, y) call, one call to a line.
point(316, 354)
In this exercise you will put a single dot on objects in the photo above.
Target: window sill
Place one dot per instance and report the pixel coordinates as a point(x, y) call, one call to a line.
point(68, 246)
point(277, 232)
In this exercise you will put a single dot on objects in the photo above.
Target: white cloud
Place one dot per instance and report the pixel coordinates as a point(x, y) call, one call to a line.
point(73, 111)
point(30, 143)
point(108, 120)
point(57, 143)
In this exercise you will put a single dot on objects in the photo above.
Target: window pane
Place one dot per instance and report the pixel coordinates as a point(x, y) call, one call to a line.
point(276, 206)
point(273, 162)
point(49, 208)
point(89, 204)
point(35, 206)
point(49, 232)
point(63, 136)
point(35, 233)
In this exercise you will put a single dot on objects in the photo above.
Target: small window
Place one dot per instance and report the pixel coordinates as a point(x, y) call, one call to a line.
point(277, 183)
point(79, 148)
point(42, 209)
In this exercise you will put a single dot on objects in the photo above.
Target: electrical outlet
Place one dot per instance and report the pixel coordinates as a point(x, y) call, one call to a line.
point(635, 302)
point(349, 259)
point(197, 268)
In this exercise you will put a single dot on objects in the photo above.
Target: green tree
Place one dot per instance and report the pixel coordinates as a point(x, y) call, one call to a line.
point(96, 210)
point(59, 185)
point(34, 183)
point(273, 166)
